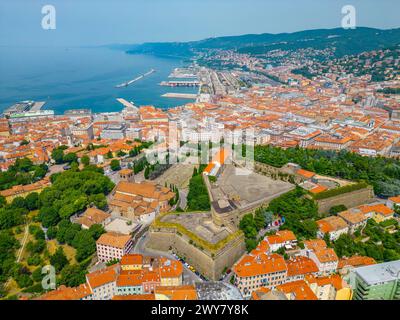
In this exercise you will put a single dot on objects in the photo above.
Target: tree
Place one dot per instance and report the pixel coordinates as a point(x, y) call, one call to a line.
point(58, 155)
point(70, 234)
point(251, 244)
point(37, 232)
point(11, 217)
point(36, 247)
point(73, 275)
point(327, 239)
point(259, 219)
point(249, 227)
point(23, 280)
point(8, 246)
point(32, 201)
point(84, 244)
point(19, 202)
point(109, 155)
point(115, 165)
point(147, 172)
point(24, 142)
point(37, 275)
point(48, 216)
point(70, 157)
point(198, 199)
point(3, 201)
point(133, 152)
point(96, 231)
point(59, 260)
point(299, 213)
point(34, 260)
point(99, 200)
point(85, 160)
point(51, 232)
point(336, 209)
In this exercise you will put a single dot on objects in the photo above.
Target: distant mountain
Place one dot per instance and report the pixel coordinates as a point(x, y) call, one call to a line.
point(346, 42)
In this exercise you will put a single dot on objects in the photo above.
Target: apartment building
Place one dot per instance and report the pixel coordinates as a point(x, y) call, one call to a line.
point(379, 212)
point(297, 290)
point(112, 245)
point(102, 283)
point(377, 282)
point(354, 218)
point(299, 267)
point(334, 226)
point(140, 201)
point(93, 216)
point(282, 239)
point(254, 272)
point(325, 258)
point(331, 287)
point(346, 265)
point(141, 275)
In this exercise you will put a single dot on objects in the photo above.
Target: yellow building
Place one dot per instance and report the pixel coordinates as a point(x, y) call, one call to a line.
point(171, 272)
point(330, 288)
point(378, 212)
point(131, 262)
point(24, 190)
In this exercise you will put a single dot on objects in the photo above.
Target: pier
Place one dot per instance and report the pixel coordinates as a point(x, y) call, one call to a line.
point(180, 95)
point(126, 84)
point(125, 103)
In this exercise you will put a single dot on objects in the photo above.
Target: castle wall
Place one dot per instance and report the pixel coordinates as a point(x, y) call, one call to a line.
point(208, 264)
point(349, 199)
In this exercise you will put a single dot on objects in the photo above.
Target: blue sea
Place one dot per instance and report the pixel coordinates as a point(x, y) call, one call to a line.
point(70, 78)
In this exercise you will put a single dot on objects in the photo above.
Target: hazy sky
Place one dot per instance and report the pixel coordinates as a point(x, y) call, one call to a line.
point(95, 22)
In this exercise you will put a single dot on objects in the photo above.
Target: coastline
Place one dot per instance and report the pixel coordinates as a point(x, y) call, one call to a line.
point(76, 77)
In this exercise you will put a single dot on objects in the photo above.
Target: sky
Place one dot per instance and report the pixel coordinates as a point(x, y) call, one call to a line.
point(101, 22)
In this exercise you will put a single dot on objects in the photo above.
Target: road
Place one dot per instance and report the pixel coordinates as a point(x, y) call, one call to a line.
point(189, 277)
point(182, 199)
point(26, 234)
point(55, 168)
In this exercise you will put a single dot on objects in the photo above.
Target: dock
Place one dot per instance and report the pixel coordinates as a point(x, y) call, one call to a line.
point(125, 103)
point(24, 106)
point(183, 73)
point(191, 96)
point(180, 83)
